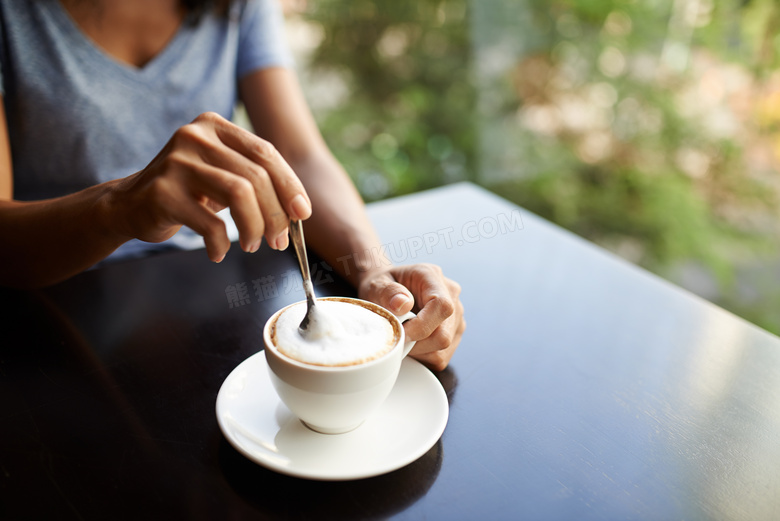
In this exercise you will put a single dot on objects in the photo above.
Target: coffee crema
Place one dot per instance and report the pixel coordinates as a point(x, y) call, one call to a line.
point(352, 334)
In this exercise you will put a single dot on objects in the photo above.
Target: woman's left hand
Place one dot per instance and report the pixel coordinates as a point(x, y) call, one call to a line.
point(439, 324)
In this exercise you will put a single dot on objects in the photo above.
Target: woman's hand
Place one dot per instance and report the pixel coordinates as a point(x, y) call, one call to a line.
point(206, 166)
point(439, 324)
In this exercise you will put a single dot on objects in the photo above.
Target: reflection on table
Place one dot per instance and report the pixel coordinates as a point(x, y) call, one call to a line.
point(584, 387)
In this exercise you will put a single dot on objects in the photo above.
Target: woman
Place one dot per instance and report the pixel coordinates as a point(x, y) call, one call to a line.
point(94, 89)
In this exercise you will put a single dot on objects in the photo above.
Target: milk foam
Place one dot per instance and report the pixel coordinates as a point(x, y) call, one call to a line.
point(321, 324)
point(348, 334)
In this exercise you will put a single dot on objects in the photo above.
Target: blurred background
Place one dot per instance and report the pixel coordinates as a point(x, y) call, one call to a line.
point(650, 127)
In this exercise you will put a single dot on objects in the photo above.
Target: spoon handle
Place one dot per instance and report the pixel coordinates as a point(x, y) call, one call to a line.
point(296, 232)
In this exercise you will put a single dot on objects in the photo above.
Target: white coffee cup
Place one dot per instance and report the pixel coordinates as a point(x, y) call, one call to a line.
point(336, 399)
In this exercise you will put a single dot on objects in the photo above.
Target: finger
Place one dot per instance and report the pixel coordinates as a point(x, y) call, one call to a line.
point(391, 295)
point(274, 222)
point(233, 191)
point(440, 339)
point(288, 187)
point(436, 305)
point(438, 360)
point(274, 216)
point(207, 224)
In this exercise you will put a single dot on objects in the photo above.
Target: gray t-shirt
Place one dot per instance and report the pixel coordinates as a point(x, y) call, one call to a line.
point(77, 116)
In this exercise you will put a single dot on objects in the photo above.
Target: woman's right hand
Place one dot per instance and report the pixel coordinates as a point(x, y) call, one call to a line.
point(206, 166)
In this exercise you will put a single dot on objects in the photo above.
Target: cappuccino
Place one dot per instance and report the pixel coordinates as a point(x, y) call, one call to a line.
point(349, 334)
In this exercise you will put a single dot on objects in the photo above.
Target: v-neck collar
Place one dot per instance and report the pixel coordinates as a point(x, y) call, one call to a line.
point(152, 69)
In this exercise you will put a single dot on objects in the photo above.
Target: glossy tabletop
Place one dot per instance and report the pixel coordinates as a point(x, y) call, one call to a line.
point(584, 387)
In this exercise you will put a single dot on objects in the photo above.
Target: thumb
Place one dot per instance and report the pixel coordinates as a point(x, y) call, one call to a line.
point(389, 294)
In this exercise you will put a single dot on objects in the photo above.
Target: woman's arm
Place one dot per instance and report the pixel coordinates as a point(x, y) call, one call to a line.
point(339, 226)
point(339, 229)
point(207, 165)
point(6, 177)
point(46, 241)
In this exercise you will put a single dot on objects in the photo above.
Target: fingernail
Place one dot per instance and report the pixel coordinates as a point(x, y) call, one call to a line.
point(398, 302)
point(220, 259)
point(256, 246)
point(281, 241)
point(300, 207)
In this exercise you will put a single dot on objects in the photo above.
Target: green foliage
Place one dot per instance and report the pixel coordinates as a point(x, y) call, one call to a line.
point(622, 120)
point(408, 122)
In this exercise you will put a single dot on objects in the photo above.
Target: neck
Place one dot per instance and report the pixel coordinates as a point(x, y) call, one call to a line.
point(131, 32)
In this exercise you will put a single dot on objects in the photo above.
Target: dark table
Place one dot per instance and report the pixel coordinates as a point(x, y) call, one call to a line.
point(584, 387)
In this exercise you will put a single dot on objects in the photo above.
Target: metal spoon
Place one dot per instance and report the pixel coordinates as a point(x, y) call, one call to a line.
point(296, 232)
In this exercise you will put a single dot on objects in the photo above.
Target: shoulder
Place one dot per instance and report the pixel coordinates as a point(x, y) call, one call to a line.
point(24, 29)
point(262, 38)
point(28, 17)
point(252, 10)
point(17, 10)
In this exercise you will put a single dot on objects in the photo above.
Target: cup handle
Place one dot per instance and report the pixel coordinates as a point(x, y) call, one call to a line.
point(409, 343)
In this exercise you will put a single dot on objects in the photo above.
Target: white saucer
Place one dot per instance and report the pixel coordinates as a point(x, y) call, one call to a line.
point(263, 429)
